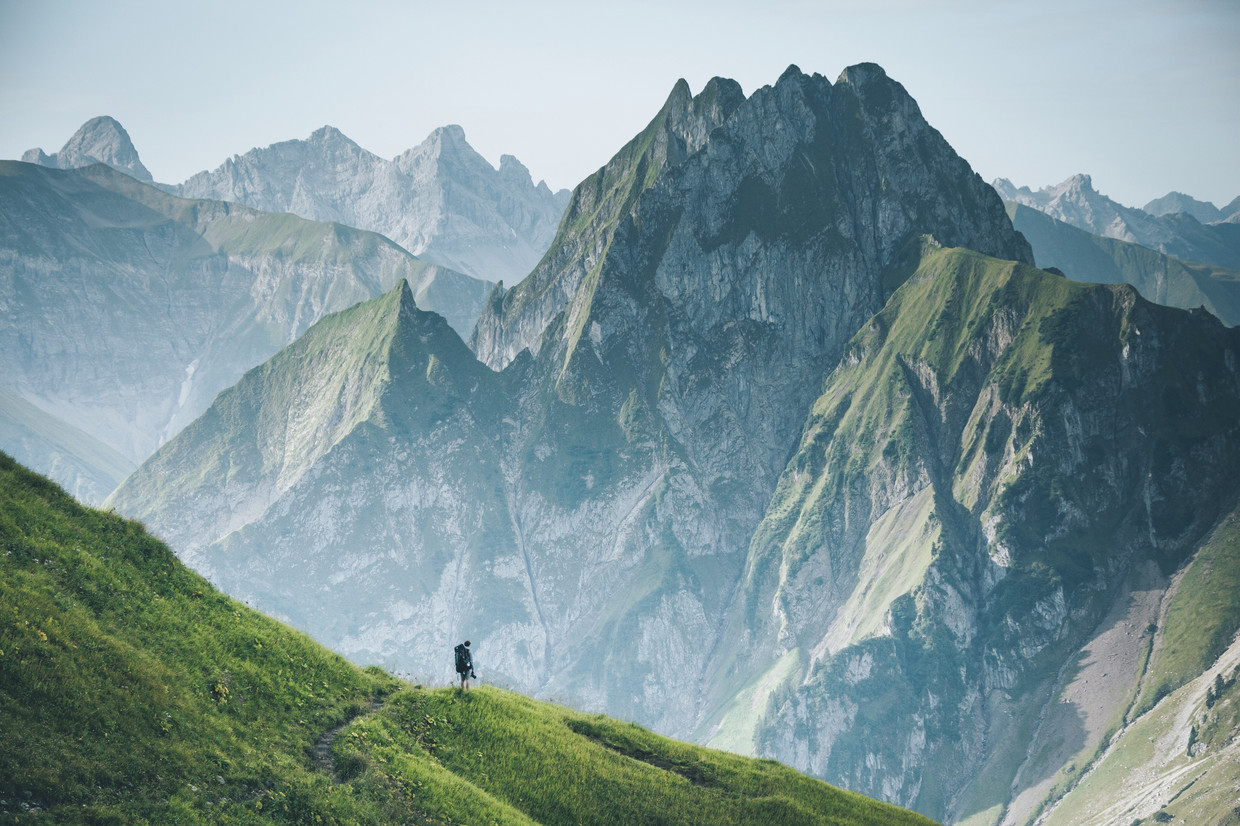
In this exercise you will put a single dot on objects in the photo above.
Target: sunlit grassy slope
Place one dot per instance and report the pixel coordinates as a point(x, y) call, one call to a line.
point(132, 692)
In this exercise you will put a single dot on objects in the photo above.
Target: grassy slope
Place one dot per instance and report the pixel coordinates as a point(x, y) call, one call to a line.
point(282, 414)
point(1203, 616)
point(554, 765)
point(132, 692)
point(867, 426)
point(1179, 757)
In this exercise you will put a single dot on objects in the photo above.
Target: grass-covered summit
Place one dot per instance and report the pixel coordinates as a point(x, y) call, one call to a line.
point(133, 692)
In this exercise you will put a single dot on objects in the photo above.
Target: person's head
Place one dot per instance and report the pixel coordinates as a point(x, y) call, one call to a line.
point(467, 643)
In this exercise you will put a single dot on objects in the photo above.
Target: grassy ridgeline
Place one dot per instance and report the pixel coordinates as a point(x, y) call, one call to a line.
point(133, 692)
point(535, 762)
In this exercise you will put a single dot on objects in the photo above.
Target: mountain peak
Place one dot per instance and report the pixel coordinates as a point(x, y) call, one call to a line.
point(328, 134)
point(793, 71)
point(681, 93)
point(444, 144)
point(512, 169)
point(1079, 181)
point(862, 74)
point(100, 140)
point(1171, 203)
point(452, 134)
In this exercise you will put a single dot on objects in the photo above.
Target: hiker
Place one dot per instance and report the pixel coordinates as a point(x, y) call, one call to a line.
point(464, 664)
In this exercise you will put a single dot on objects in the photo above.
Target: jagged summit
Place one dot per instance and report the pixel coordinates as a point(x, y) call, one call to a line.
point(440, 200)
point(792, 71)
point(328, 134)
point(802, 157)
point(100, 140)
point(733, 433)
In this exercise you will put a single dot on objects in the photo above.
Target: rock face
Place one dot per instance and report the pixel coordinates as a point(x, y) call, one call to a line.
point(1076, 202)
point(126, 310)
point(441, 200)
point(100, 140)
point(1160, 278)
point(996, 468)
point(784, 445)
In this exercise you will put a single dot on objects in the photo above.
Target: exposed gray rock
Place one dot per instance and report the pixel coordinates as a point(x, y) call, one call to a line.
point(441, 200)
point(761, 448)
point(99, 140)
point(657, 368)
point(1076, 202)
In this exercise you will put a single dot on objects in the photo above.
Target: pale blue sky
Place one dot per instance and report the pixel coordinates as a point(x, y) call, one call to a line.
point(1142, 94)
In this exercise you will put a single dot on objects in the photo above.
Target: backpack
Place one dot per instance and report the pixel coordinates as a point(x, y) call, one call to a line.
point(462, 658)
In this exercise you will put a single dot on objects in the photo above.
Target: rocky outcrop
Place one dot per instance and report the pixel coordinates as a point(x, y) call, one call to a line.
point(99, 140)
point(784, 444)
point(441, 200)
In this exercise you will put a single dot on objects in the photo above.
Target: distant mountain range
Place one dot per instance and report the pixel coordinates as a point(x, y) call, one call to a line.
point(1203, 211)
point(1178, 234)
point(126, 310)
point(89, 426)
point(1083, 256)
point(441, 200)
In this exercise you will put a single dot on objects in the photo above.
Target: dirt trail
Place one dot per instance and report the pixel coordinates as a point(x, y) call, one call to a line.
point(321, 752)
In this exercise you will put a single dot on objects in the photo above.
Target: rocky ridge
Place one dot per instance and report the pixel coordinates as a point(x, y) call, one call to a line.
point(763, 451)
point(440, 200)
point(989, 473)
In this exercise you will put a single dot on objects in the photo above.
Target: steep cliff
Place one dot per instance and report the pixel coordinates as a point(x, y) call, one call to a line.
point(1002, 461)
point(784, 445)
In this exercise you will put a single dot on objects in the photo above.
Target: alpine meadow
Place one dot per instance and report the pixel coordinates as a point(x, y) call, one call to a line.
point(783, 472)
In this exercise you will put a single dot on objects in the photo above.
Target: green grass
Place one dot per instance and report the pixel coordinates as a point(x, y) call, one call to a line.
point(132, 692)
point(526, 761)
point(1203, 616)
